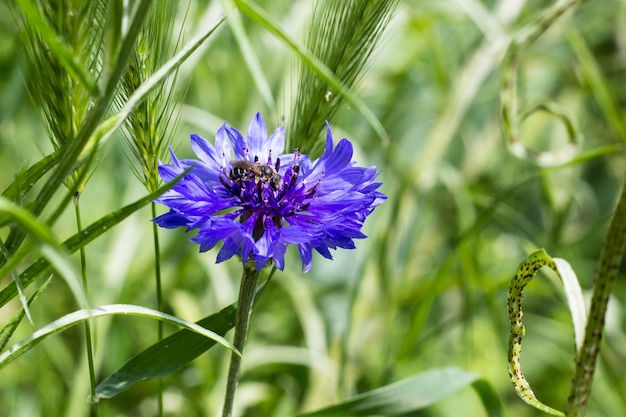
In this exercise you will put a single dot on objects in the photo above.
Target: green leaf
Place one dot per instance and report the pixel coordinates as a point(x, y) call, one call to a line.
point(51, 251)
point(525, 273)
point(76, 242)
point(509, 99)
point(25, 180)
point(263, 18)
point(79, 316)
point(110, 125)
point(173, 352)
point(598, 84)
point(249, 56)
point(412, 394)
point(168, 355)
point(7, 331)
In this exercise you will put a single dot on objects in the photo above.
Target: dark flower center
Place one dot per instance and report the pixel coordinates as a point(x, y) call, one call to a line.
point(262, 192)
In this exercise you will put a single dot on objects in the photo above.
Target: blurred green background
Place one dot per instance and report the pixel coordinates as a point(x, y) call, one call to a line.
point(428, 288)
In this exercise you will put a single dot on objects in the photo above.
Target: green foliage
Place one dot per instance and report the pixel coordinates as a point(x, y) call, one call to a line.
point(425, 91)
point(148, 126)
point(412, 394)
point(342, 36)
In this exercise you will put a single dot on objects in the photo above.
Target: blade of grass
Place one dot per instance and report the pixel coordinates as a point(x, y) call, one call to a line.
point(598, 84)
point(49, 248)
point(263, 18)
point(9, 328)
point(114, 122)
point(24, 181)
point(80, 316)
point(77, 241)
point(413, 394)
point(249, 56)
point(172, 353)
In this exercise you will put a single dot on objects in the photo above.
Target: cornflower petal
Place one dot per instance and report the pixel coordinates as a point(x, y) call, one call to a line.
point(257, 210)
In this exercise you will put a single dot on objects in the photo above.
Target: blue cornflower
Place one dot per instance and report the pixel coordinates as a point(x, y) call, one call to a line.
point(256, 200)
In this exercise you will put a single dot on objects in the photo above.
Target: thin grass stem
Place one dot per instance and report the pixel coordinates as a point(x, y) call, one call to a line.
point(159, 294)
point(93, 405)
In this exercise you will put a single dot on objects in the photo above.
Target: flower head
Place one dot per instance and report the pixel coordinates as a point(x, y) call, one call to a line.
point(246, 193)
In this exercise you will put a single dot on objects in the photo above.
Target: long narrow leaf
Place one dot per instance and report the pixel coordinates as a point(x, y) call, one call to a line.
point(114, 122)
point(9, 328)
point(260, 16)
point(79, 316)
point(77, 241)
point(172, 353)
point(168, 355)
point(249, 56)
point(24, 181)
point(51, 251)
point(410, 395)
point(526, 271)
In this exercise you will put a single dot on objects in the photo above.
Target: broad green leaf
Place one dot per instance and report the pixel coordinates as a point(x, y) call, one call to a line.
point(173, 352)
point(79, 316)
point(167, 355)
point(413, 394)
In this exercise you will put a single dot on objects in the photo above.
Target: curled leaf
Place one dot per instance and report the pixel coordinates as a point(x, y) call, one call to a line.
point(525, 273)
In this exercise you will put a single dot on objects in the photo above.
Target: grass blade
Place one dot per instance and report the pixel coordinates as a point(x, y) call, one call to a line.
point(260, 16)
point(411, 394)
point(173, 352)
point(77, 241)
point(9, 328)
point(80, 316)
point(167, 355)
point(249, 56)
point(51, 251)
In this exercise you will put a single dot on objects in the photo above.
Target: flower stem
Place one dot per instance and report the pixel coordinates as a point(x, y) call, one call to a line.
point(249, 281)
point(606, 273)
point(159, 295)
point(93, 411)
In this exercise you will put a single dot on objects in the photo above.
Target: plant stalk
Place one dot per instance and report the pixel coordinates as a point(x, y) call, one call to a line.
point(247, 289)
point(93, 406)
point(604, 279)
point(159, 294)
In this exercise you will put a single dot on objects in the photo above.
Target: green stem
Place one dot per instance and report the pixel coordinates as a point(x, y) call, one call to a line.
point(159, 295)
point(93, 411)
point(604, 279)
point(247, 289)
